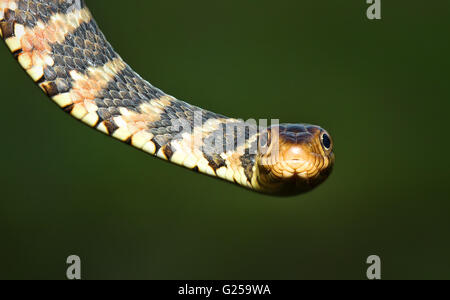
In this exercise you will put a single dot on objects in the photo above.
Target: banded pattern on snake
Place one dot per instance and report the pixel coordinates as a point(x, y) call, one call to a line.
point(59, 45)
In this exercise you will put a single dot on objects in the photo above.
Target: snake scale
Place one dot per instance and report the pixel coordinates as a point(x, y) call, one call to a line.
point(60, 46)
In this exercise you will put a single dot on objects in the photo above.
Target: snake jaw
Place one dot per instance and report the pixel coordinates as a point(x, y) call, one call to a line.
point(295, 160)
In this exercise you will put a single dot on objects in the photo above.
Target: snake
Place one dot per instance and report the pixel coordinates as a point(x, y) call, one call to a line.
point(60, 46)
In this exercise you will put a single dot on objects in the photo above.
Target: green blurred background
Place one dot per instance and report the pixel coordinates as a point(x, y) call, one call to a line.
point(380, 87)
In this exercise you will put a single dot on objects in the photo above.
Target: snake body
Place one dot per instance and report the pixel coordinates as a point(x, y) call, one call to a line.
point(60, 46)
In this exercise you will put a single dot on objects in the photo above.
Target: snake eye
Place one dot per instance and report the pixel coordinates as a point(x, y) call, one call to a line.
point(326, 141)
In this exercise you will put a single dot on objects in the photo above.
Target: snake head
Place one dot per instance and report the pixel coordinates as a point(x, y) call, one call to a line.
point(294, 158)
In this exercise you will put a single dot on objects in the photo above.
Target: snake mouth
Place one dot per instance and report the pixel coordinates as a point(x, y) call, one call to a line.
point(297, 158)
